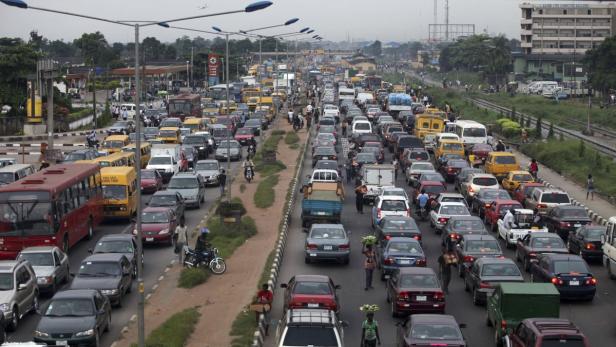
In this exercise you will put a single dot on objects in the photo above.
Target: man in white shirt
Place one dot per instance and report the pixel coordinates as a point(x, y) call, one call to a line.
point(509, 219)
point(290, 116)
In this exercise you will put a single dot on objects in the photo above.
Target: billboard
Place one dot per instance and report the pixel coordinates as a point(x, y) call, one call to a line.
point(213, 63)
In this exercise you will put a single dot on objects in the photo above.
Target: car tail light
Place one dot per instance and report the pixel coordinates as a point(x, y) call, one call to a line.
point(388, 261)
point(590, 246)
point(387, 237)
point(484, 285)
point(470, 189)
point(343, 246)
point(331, 306)
point(503, 324)
point(335, 157)
point(403, 296)
point(486, 205)
point(408, 212)
point(311, 246)
point(420, 262)
point(564, 224)
point(469, 259)
point(417, 237)
point(439, 296)
point(443, 220)
point(532, 255)
point(557, 281)
point(454, 236)
point(591, 281)
point(378, 213)
point(542, 206)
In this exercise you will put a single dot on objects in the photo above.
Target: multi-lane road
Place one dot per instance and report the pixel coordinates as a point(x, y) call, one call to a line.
point(156, 258)
point(592, 317)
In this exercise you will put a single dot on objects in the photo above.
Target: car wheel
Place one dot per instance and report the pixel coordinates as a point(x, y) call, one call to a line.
point(97, 341)
point(392, 309)
point(15, 320)
point(517, 256)
point(346, 261)
point(65, 244)
point(609, 270)
point(387, 297)
point(307, 260)
point(475, 297)
point(466, 286)
point(461, 270)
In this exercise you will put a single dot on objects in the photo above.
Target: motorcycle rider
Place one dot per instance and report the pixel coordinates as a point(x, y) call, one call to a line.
point(252, 147)
point(248, 164)
point(202, 245)
point(509, 219)
point(422, 201)
point(91, 139)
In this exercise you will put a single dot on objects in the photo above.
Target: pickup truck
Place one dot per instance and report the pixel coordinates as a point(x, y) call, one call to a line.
point(322, 203)
point(375, 177)
point(523, 220)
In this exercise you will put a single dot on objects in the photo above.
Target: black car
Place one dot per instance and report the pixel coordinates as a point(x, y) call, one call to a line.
point(569, 273)
point(452, 167)
point(566, 218)
point(535, 243)
point(123, 127)
point(255, 124)
point(485, 273)
point(150, 133)
point(430, 330)
point(199, 143)
point(397, 226)
point(473, 247)
point(74, 317)
point(459, 226)
point(484, 198)
point(586, 241)
point(173, 200)
point(119, 244)
point(323, 153)
point(80, 154)
point(111, 273)
point(326, 165)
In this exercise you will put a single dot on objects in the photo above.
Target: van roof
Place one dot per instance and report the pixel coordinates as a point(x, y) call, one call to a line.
point(528, 288)
point(116, 137)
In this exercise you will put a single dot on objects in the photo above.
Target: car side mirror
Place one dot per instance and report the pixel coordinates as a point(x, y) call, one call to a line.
point(72, 274)
point(602, 238)
point(337, 286)
point(22, 286)
point(462, 325)
point(101, 312)
point(283, 285)
point(344, 324)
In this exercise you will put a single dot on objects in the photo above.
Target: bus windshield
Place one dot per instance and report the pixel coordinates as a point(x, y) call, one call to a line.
point(25, 214)
point(180, 107)
point(114, 192)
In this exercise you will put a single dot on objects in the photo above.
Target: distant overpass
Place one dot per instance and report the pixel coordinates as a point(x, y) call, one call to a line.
point(305, 52)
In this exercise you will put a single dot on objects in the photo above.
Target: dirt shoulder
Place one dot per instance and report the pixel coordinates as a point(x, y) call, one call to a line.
point(221, 298)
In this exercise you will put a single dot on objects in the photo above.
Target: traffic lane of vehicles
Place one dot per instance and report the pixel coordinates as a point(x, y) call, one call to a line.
point(459, 303)
point(156, 258)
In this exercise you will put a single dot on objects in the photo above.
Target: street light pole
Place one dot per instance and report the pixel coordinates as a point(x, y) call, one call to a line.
point(228, 115)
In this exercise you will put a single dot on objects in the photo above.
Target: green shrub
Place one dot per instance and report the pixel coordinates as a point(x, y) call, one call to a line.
point(192, 277)
point(278, 132)
point(227, 237)
point(291, 138)
point(243, 328)
point(264, 196)
point(175, 331)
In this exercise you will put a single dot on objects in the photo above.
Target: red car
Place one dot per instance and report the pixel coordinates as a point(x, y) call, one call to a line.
point(432, 188)
point(415, 290)
point(311, 291)
point(151, 181)
point(452, 168)
point(497, 210)
point(480, 151)
point(523, 191)
point(244, 136)
point(158, 225)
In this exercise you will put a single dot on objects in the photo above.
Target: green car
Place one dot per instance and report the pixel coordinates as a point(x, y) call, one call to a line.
point(513, 302)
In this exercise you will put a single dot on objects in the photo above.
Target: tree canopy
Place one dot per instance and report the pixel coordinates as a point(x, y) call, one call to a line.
point(601, 64)
point(479, 53)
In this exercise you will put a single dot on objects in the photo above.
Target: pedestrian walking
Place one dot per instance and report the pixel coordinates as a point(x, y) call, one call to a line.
point(344, 127)
point(533, 168)
point(446, 261)
point(369, 265)
point(124, 114)
point(181, 240)
point(360, 191)
point(348, 166)
point(370, 331)
point(222, 178)
point(590, 187)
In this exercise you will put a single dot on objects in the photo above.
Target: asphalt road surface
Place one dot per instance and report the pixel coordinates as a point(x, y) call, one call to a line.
point(156, 258)
point(592, 317)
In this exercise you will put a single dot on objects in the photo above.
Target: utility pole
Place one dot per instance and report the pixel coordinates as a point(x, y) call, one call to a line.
point(192, 60)
point(435, 19)
point(228, 114)
point(446, 20)
point(93, 84)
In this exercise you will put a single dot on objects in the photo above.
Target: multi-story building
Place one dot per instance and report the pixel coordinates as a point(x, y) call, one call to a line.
point(555, 35)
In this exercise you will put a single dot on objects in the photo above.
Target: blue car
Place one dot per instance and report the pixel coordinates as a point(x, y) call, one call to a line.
point(399, 252)
point(569, 273)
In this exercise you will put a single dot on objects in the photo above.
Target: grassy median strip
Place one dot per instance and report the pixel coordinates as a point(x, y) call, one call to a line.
point(243, 328)
point(264, 196)
point(291, 138)
point(192, 277)
point(175, 331)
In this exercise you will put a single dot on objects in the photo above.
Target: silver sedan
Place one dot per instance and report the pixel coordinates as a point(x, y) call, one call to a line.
point(327, 242)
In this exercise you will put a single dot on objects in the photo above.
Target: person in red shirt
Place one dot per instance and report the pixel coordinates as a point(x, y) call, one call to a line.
point(265, 297)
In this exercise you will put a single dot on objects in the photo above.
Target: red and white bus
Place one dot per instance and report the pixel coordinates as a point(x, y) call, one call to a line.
point(57, 206)
point(185, 105)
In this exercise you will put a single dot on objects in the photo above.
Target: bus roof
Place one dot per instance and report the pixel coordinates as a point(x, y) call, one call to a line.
point(52, 179)
point(185, 97)
point(118, 175)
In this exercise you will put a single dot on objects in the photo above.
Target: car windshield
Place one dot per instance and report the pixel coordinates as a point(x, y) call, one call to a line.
point(113, 144)
point(453, 146)
point(160, 161)
point(114, 192)
point(594, 234)
point(404, 247)
point(393, 205)
point(500, 270)
point(312, 288)
point(435, 331)
point(485, 181)
point(163, 200)
point(150, 131)
point(193, 140)
point(494, 194)
point(433, 189)
point(73, 156)
point(454, 210)
point(482, 148)
point(457, 163)
point(327, 233)
point(472, 224)
point(547, 242)
point(325, 136)
point(570, 266)
point(207, 166)
point(38, 259)
point(70, 308)
point(99, 269)
point(562, 341)
point(327, 121)
point(321, 336)
point(6, 281)
point(474, 132)
point(422, 166)
point(183, 183)
point(120, 125)
point(400, 224)
point(114, 246)
point(168, 133)
point(432, 177)
point(366, 157)
point(418, 281)
point(244, 131)
point(155, 217)
point(505, 159)
point(148, 174)
point(522, 177)
point(574, 213)
point(482, 246)
point(232, 144)
point(362, 126)
point(555, 198)
point(324, 151)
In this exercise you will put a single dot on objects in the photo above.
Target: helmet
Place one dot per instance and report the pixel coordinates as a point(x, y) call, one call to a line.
point(205, 231)
point(423, 191)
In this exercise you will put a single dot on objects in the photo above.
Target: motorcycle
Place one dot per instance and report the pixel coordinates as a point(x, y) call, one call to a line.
point(210, 259)
point(251, 150)
point(248, 173)
point(92, 143)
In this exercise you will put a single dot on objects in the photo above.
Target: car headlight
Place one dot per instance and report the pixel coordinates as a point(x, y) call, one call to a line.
point(202, 147)
point(44, 280)
point(40, 334)
point(109, 291)
point(5, 307)
point(88, 332)
point(164, 231)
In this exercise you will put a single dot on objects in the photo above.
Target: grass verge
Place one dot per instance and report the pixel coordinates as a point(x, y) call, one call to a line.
point(228, 237)
point(243, 328)
point(264, 196)
point(192, 277)
point(271, 144)
point(175, 331)
point(291, 138)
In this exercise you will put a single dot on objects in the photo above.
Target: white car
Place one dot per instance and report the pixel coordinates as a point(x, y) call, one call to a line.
point(393, 191)
point(523, 220)
point(389, 206)
point(441, 213)
point(477, 182)
point(450, 197)
point(416, 169)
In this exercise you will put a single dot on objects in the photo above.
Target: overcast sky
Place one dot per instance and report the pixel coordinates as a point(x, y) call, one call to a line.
point(386, 20)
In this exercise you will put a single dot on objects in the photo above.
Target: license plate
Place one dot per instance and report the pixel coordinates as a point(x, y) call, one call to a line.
point(320, 213)
point(324, 158)
point(421, 298)
point(405, 262)
point(149, 239)
point(577, 225)
point(313, 305)
point(574, 283)
point(61, 343)
point(328, 248)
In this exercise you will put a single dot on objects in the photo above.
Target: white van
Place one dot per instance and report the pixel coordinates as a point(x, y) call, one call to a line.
point(609, 248)
point(346, 94)
point(165, 158)
point(537, 87)
point(362, 98)
point(130, 108)
point(15, 172)
point(361, 127)
point(471, 132)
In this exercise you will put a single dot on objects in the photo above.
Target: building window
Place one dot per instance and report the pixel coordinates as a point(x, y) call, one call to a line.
point(589, 12)
point(564, 11)
point(540, 11)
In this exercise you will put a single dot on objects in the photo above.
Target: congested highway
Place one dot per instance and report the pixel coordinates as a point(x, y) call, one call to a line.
point(588, 316)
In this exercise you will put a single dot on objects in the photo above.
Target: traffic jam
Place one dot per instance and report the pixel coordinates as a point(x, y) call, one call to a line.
point(414, 228)
point(65, 295)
